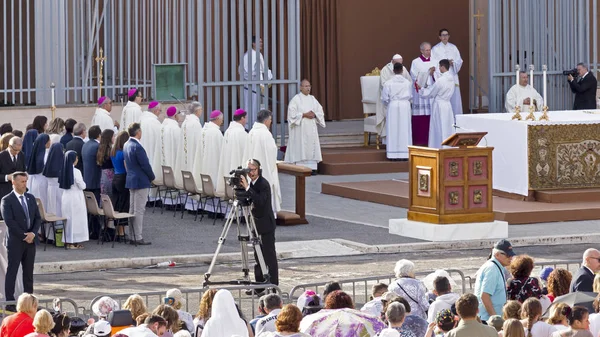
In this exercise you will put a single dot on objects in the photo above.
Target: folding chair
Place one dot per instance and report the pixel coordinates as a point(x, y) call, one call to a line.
point(189, 185)
point(48, 219)
point(208, 189)
point(171, 188)
point(95, 211)
point(110, 214)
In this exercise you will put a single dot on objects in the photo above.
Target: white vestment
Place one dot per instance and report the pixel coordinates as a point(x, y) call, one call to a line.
point(421, 105)
point(518, 93)
point(152, 143)
point(261, 146)
point(74, 209)
point(252, 68)
point(449, 51)
point(387, 72)
point(303, 146)
point(232, 153)
point(170, 135)
point(191, 136)
point(442, 117)
point(132, 113)
point(208, 154)
point(395, 95)
point(103, 120)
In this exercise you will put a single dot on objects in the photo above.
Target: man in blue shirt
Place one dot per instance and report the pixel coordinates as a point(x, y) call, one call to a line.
point(490, 285)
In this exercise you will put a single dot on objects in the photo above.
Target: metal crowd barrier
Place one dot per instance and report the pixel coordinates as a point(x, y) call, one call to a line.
point(70, 309)
point(560, 264)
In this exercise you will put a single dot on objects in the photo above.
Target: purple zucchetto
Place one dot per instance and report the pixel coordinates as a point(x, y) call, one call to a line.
point(171, 111)
point(239, 112)
point(101, 100)
point(153, 105)
point(215, 114)
point(131, 92)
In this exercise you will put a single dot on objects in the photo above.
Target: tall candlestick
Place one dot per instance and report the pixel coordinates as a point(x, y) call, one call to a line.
point(51, 94)
point(531, 67)
point(544, 69)
point(518, 71)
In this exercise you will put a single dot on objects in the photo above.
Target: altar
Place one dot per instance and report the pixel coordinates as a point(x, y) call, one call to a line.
point(563, 153)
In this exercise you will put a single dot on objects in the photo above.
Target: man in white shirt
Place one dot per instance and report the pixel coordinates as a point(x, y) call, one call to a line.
point(273, 305)
point(102, 116)
point(252, 68)
point(444, 300)
point(522, 94)
point(447, 50)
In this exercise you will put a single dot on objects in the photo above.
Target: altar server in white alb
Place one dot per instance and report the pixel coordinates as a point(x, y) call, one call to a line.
point(449, 51)
point(191, 135)
point(132, 111)
point(442, 117)
point(387, 72)
point(151, 139)
point(252, 68)
point(102, 116)
point(261, 146)
point(396, 96)
point(304, 115)
point(170, 135)
point(522, 94)
point(234, 146)
point(208, 152)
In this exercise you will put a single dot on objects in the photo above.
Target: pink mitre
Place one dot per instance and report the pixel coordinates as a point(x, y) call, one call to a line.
point(239, 112)
point(131, 92)
point(101, 100)
point(153, 104)
point(171, 111)
point(215, 114)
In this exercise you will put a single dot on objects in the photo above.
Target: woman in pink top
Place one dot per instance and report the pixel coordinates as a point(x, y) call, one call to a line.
point(42, 324)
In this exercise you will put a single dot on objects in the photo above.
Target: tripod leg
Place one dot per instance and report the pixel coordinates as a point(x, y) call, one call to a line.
point(221, 241)
point(255, 240)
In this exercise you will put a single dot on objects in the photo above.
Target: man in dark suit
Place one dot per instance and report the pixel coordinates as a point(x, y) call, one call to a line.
point(92, 173)
point(68, 136)
point(23, 220)
point(11, 161)
point(76, 144)
point(262, 212)
point(138, 180)
point(584, 88)
point(583, 280)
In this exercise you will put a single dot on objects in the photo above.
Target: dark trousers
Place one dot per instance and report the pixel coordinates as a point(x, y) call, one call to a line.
point(94, 223)
point(20, 253)
point(270, 255)
point(120, 193)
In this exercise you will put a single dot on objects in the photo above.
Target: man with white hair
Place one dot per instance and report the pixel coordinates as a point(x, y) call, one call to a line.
point(411, 289)
point(583, 280)
point(151, 140)
point(422, 72)
point(490, 284)
point(102, 116)
point(386, 74)
point(191, 135)
point(449, 51)
point(234, 145)
point(208, 151)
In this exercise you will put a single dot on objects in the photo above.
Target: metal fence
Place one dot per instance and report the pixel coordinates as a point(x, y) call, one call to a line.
point(67, 305)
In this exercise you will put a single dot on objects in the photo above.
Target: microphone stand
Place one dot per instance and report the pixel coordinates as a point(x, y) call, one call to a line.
point(180, 102)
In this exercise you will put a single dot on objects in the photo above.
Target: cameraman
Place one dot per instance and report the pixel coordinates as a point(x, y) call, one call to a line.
point(262, 212)
point(584, 88)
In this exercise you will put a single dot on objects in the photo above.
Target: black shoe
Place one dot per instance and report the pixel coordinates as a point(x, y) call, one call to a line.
point(255, 292)
point(11, 308)
point(141, 242)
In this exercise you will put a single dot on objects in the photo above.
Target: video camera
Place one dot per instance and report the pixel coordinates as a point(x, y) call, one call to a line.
point(573, 72)
point(239, 191)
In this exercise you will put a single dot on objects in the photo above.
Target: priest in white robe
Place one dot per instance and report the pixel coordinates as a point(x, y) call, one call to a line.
point(387, 72)
point(102, 116)
point(208, 152)
point(191, 137)
point(234, 146)
point(151, 139)
point(449, 51)
point(252, 68)
point(304, 114)
point(261, 146)
point(170, 135)
point(422, 72)
point(442, 116)
point(523, 95)
point(395, 95)
point(132, 111)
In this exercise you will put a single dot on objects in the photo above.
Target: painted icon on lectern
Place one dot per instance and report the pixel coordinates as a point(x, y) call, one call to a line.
point(453, 198)
point(477, 197)
point(453, 169)
point(424, 179)
point(477, 168)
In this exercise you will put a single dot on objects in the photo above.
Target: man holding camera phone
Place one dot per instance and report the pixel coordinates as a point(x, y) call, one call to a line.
point(259, 191)
point(584, 87)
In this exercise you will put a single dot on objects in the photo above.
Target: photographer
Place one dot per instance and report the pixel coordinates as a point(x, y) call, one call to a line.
point(259, 191)
point(584, 88)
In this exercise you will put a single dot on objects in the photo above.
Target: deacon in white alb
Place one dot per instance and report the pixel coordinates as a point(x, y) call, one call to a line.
point(208, 151)
point(447, 50)
point(191, 135)
point(521, 94)
point(395, 95)
point(102, 115)
point(170, 134)
point(234, 145)
point(151, 140)
point(442, 117)
point(387, 72)
point(261, 146)
point(252, 68)
point(304, 114)
point(132, 111)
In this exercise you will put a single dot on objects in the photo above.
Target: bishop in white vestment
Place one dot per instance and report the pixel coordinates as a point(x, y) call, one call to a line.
point(442, 117)
point(170, 134)
point(234, 146)
point(395, 95)
point(422, 71)
point(208, 152)
point(449, 51)
point(102, 116)
point(132, 111)
point(252, 68)
point(191, 137)
point(387, 72)
point(522, 94)
point(304, 114)
point(151, 139)
point(261, 146)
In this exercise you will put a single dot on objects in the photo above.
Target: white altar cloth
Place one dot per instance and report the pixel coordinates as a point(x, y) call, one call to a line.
point(509, 139)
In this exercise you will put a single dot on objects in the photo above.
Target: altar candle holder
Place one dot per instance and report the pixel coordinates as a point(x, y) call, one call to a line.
point(517, 114)
point(545, 116)
point(530, 116)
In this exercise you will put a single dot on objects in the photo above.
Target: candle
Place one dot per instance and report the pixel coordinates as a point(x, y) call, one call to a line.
point(518, 70)
point(544, 69)
point(52, 94)
point(531, 75)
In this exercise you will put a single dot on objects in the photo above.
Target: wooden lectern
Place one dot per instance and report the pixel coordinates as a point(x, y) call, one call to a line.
point(451, 185)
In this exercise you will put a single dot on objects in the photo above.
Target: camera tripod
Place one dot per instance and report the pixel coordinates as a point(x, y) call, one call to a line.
point(247, 235)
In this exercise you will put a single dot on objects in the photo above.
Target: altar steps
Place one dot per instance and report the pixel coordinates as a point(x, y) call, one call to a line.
point(570, 195)
point(358, 160)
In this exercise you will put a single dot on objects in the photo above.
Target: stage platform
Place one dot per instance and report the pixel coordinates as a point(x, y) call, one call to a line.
point(565, 205)
point(358, 160)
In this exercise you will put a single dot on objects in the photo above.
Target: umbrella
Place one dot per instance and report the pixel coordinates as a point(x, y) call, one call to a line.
point(580, 298)
point(341, 323)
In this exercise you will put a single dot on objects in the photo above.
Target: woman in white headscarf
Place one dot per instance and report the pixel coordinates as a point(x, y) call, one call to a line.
point(224, 318)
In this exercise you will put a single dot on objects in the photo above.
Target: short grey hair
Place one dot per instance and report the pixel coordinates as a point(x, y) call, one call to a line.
point(273, 301)
point(195, 105)
point(263, 115)
point(79, 129)
point(106, 101)
point(15, 141)
point(423, 44)
point(404, 268)
point(395, 312)
point(583, 65)
point(154, 108)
